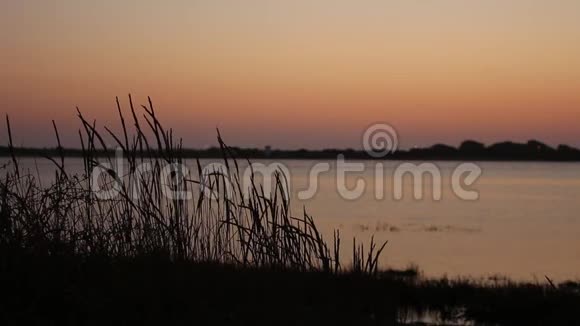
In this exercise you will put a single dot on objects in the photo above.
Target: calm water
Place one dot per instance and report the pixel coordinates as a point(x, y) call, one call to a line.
point(525, 224)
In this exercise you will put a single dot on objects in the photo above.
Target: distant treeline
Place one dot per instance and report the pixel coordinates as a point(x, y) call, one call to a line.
point(469, 150)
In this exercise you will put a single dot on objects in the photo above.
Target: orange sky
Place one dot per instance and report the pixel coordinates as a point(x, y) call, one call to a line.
point(297, 74)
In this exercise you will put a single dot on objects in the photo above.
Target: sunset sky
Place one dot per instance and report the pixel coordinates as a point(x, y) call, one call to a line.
point(297, 74)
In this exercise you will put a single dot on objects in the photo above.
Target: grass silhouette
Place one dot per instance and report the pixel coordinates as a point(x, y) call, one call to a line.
point(237, 257)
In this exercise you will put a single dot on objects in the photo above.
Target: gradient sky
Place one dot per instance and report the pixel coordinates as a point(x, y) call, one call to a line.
point(297, 74)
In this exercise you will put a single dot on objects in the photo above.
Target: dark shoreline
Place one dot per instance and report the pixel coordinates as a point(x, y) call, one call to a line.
point(149, 290)
point(532, 151)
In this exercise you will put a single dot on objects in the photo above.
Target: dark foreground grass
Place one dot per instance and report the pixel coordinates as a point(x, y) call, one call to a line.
point(152, 290)
point(238, 256)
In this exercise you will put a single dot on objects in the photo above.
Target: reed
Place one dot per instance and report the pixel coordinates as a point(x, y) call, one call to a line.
point(238, 224)
point(233, 254)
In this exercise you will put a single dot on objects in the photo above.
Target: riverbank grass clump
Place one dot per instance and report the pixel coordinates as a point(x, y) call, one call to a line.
point(231, 253)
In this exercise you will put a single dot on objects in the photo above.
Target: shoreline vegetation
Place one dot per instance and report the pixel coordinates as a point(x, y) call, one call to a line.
point(69, 258)
point(532, 150)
